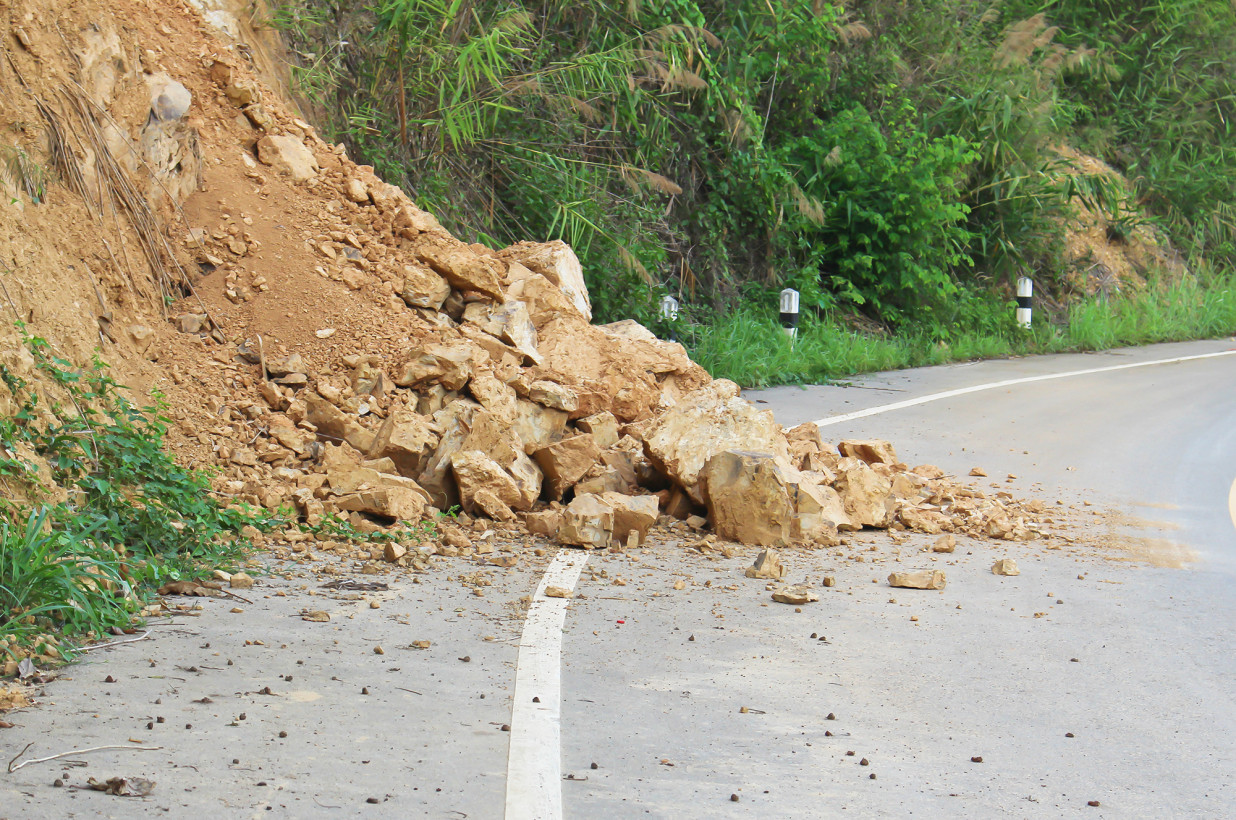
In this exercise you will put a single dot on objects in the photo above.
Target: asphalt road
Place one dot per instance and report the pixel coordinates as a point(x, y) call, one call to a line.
point(1148, 702)
point(1104, 672)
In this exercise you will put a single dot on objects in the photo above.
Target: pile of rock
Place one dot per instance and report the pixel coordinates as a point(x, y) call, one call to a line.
point(509, 403)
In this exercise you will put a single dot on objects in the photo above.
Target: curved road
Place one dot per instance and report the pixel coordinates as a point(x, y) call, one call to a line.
point(1089, 677)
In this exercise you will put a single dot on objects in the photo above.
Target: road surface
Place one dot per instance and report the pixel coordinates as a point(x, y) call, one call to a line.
point(1104, 672)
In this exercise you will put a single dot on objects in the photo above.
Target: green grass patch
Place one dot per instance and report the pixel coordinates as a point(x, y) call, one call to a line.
point(750, 347)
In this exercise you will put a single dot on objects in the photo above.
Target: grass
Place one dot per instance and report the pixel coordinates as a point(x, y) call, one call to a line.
point(749, 346)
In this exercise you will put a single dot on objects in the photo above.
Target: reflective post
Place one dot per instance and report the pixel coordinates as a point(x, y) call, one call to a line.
point(1025, 299)
point(789, 312)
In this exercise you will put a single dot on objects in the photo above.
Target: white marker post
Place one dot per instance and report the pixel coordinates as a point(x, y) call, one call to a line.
point(669, 308)
point(789, 312)
point(1025, 299)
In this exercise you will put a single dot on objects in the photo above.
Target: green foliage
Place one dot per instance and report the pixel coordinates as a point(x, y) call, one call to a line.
point(341, 529)
point(51, 577)
point(128, 501)
point(892, 231)
point(879, 156)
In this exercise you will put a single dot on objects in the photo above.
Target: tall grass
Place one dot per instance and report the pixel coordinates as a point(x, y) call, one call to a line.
point(750, 347)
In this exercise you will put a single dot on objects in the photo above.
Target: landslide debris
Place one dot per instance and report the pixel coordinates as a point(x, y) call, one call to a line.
point(333, 350)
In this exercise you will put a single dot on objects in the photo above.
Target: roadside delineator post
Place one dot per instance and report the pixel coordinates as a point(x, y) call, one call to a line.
point(1025, 300)
point(789, 312)
point(669, 308)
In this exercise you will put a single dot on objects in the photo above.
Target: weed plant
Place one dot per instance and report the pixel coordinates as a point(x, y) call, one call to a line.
point(132, 518)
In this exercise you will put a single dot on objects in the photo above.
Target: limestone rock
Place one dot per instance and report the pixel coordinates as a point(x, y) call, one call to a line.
point(945, 544)
point(407, 439)
point(552, 394)
point(872, 451)
point(557, 263)
point(335, 425)
point(474, 471)
point(448, 365)
point(240, 580)
point(454, 425)
point(767, 565)
point(1005, 566)
point(393, 551)
point(356, 191)
point(866, 494)
point(587, 522)
point(632, 514)
point(423, 288)
point(169, 100)
point(462, 266)
point(602, 426)
point(630, 329)
point(288, 155)
point(488, 503)
point(796, 595)
point(818, 511)
point(748, 498)
point(398, 503)
point(706, 422)
point(922, 579)
point(543, 523)
point(496, 397)
point(565, 462)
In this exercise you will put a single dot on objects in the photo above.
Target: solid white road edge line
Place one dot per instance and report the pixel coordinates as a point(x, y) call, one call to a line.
point(534, 763)
point(948, 394)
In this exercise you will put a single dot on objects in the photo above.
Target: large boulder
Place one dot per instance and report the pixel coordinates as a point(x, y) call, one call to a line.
point(537, 425)
point(557, 263)
point(288, 155)
point(332, 424)
point(709, 421)
point(474, 471)
point(867, 495)
point(565, 462)
point(587, 522)
point(748, 498)
point(423, 288)
point(447, 365)
point(407, 439)
point(463, 267)
point(632, 513)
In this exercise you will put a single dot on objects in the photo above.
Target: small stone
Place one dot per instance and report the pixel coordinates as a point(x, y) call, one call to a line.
point(871, 776)
point(767, 565)
point(281, 734)
point(315, 616)
point(830, 581)
point(506, 727)
point(241, 580)
point(946, 543)
point(558, 592)
point(1068, 734)
point(976, 759)
point(798, 594)
point(733, 798)
point(1005, 566)
point(594, 765)
point(830, 716)
point(864, 762)
point(923, 579)
point(1094, 803)
point(377, 650)
point(978, 472)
